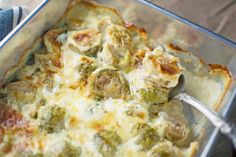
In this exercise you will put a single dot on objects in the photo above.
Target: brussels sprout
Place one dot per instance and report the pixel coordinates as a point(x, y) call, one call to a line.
point(163, 154)
point(177, 130)
point(118, 48)
point(163, 69)
point(86, 41)
point(154, 95)
point(51, 41)
point(71, 150)
point(120, 40)
point(154, 110)
point(126, 63)
point(86, 67)
point(107, 141)
point(148, 138)
point(53, 45)
point(51, 118)
point(163, 150)
point(140, 128)
point(108, 82)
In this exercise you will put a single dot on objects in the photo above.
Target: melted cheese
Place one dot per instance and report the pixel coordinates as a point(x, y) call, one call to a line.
point(164, 69)
point(97, 42)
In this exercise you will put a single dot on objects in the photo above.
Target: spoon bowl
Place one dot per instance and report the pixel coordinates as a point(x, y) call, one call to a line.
point(179, 88)
point(229, 129)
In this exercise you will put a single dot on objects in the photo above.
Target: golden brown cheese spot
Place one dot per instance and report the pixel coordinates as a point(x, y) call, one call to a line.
point(106, 120)
point(86, 60)
point(176, 47)
point(56, 59)
point(168, 69)
point(73, 121)
point(12, 127)
point(77, 85)
point(82, 37)
point(163, 69)
point(139, 56)
point(167, 66)
point(10, 118)
point(96, 125)
point(141, 115)
point(87, 41)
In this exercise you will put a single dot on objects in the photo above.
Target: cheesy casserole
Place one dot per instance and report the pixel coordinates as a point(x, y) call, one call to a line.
point(95, 88)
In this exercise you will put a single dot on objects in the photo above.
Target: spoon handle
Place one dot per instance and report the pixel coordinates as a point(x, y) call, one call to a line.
point(229, 129)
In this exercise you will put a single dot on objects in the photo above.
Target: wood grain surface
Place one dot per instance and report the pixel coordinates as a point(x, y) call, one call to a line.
point(216, 15)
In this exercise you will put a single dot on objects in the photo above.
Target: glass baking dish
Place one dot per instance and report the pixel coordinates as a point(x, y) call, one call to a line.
point(157, 21)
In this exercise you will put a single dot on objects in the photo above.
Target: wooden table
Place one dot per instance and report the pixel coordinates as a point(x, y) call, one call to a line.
point(216, 15)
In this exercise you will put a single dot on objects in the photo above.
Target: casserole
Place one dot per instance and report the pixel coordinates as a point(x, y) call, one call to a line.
point(7, 56)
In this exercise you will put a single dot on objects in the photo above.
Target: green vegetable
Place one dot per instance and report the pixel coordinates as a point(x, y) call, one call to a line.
point(71, 150)
point(148, 138)
point(177, 130)
point(120, 39)
point(162, 152)
point(107, 141)
point(154, 110)
point(86, 68)
point(85, 41)
point(90, 52)
point(50, 40)
point(108, 82)
point(126, 63)
point(154, 95)
point(51, 118)
point(119, 47)
point(140, 128)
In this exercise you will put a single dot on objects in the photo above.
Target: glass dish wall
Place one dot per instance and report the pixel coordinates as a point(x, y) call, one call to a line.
point(162, 26)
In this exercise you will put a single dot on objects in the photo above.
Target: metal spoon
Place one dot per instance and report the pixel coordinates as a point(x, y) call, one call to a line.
point(226, 128)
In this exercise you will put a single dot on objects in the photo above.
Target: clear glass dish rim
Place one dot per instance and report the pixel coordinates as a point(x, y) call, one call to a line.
point(227, 108)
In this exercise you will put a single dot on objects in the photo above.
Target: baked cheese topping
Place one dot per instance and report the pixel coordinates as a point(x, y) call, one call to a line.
point(95, 89)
